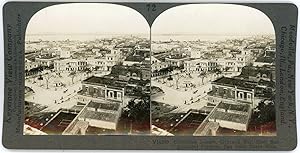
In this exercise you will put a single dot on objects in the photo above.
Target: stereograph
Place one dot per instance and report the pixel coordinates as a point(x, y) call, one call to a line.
point(188, 76)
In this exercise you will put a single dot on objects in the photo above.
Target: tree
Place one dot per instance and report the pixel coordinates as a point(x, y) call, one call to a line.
point(47, 76)
point(177, 78)
point(226, 69)
point(203, 75)
point(87, 71)
point(217, 71)
point(265, 112)
point(72, 75)
point(138, 113)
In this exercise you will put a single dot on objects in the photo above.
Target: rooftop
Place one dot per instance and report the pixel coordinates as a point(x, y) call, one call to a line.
point(227, 106)
point(231, 112)
point(112, 81)
point(46, 56)
point(265, 60)
point(232, 117)
point(106, 106)
point(103, 116)
point(254, 71)
point(135, 58)
point(242, 83)
point(59, 123)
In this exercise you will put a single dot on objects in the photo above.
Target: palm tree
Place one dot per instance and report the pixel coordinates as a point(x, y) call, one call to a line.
point(72, 75)
point(177, 78)
point(87, 71)
point(203, 75)
point(47, 77)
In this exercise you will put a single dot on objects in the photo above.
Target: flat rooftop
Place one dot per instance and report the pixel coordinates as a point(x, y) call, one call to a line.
point(231, 112)
point(240, 83)
point(105, 106)
point(103, 116)
point(111, 81)
point(232, 117)
point(227, 106)
point(59, 123)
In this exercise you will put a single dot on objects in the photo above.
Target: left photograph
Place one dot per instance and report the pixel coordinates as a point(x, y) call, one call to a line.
point(87, 71)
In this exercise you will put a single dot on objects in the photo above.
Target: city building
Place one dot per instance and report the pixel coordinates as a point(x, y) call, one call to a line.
point(113, 58)
point(158, 67)
point(31, 68)
point(95, 88)
point(268, 57)
point(199, 65)
point(176, 61)
point(232, 90)
point(96, 114)
point(231, 116)
point(46, 60)
point(70, 65)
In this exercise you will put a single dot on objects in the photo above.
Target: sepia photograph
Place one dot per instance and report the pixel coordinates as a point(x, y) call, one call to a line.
point(213, 72)
point(149, 75)
point(87, 71)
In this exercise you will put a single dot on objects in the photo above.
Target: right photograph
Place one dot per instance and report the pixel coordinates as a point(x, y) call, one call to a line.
point(213, 72)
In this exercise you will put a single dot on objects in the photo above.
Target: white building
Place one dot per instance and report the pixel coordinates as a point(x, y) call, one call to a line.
point(199, 65)
point(69, 65)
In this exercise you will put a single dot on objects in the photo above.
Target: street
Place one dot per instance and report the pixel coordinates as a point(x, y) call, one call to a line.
point(61, 98)
point(179, 98)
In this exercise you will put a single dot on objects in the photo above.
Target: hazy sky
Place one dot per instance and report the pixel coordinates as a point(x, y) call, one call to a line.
point(216, 19)
point(87, 18)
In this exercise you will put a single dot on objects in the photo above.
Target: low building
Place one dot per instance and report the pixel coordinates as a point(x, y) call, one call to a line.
point(136, 71)
point(158, 67)
point(70, 65)
point(268, 58)
point(98, 64)
point(134, 59)
point(233, 116)
point(46, 60)
point(254, 73)
point(95, 88)
point(199, 65)
point(232, 90)
point(261, 61)
point(102, 114)
point(176, 61)
point(32, 68)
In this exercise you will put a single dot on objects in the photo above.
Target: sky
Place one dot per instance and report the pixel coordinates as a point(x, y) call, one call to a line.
point(212, 19)
point(85, 18)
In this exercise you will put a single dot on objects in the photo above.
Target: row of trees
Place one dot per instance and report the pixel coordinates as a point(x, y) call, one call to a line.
point(48, 74)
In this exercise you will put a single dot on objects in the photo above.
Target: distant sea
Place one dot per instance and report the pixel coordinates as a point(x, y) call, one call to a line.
point(201, 37)
point(79, 37)
point(161, 37)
